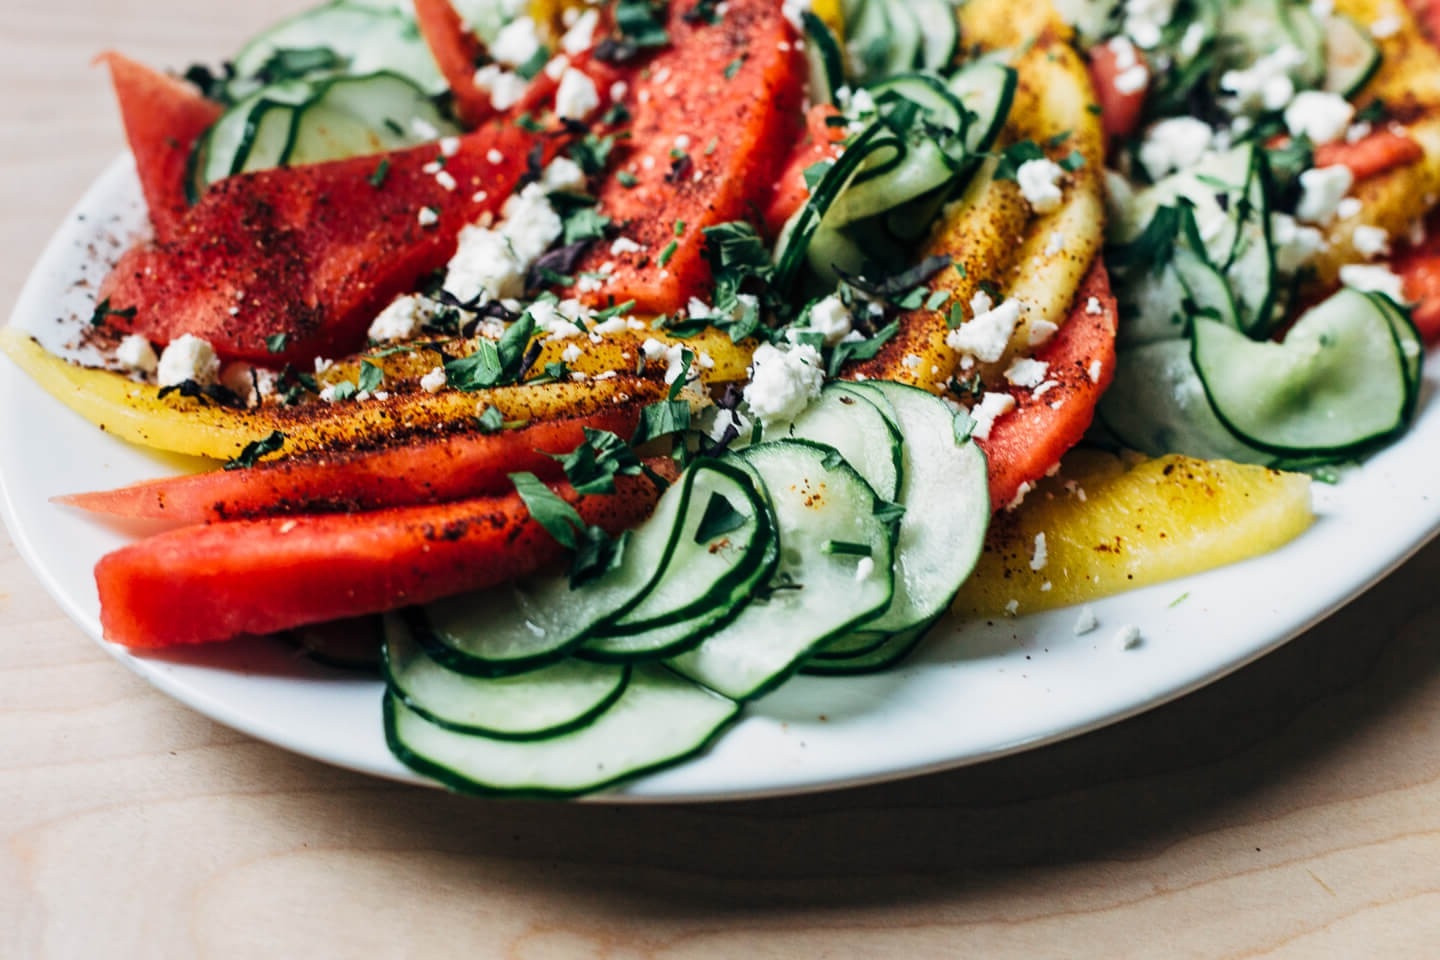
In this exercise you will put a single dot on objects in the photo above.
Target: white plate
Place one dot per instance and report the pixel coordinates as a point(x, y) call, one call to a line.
point(973, 692)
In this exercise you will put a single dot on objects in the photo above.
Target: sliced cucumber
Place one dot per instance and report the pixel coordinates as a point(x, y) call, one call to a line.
point(545, 702)
point(1337, 383)
point(830, 536)
point(827, 62)
point(368, 38)
point(895, 648)
point(1157, 405)
point(520, 626)
point(720, 540)
point(1351, 56)
point(856, 427)
point(254, 134)
point(945, 491)
point(986, 89)
point(659, 719)
point(356, 116)
point(1412, 346)
point(940, 33)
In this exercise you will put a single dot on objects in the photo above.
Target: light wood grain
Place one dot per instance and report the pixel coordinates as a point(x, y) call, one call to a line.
point(1292, 810)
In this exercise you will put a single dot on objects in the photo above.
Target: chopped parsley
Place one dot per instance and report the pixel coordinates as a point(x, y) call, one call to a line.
point(255, 450)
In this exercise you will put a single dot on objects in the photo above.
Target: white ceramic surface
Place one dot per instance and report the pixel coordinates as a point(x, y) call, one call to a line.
point(974, 691)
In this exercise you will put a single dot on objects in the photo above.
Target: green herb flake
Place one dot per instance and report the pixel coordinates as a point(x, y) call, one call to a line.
point(255, 450)
point(380, 174)
point(668, 253)
point(371, 377)
point(103, 310)
point(491, 420)
point(1073, 161)
point(733, 67)
point(663, 418)
point(720, 517)
point(627, 179)
point(844, 548)
point(593, 465)
point(493, 364)
point(277, 342)
point(1013, 157)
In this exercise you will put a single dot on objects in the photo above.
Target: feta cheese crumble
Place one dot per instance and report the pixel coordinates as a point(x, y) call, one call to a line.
point(1370, 242)
point(1323, 117)
point(1321, 190)
point(577, 97)
point(402, 319)
point(136, 353)
point(986, 337)
point(1174, 144)
point(783, 382)
point(1039, 182)
point(1367, 278)
point(187, 358)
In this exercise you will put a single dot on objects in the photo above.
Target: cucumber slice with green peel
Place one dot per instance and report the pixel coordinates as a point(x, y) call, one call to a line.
point(721, 537)
point(873, 143)
point(1352, 56)
point(1152, 306)
point(856, 427)
point(856, 644)
point(945, 492)
point(1412, 346)
point(357, 116)
point(834, 572)
point(660, 719)
point(903, 33)
point(895, 648)
point(827, 61)
point(524, 625)
point(1214, 189)
point(544, 702)
point(1336, 384)
point(939, 33)
point(986, 90)
point(366, 38)
point(867, 39)
point(261, 127)
point(1156, 404)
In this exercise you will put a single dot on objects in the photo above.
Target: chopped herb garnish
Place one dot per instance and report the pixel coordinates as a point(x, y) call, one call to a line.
point(668, 253)
point(1013, 157)
point(593, 465)
point(371, 377)
point(493, 364)
point(531, 68)
point(592, 153)
point(733, 67)
point(1072, 161)
point(103, 310)
point(662, 419)
point(380, 173)
point(255, 450)
point(720, 517)
point(593, 550)
point(277, 342)
point(937, 300)
point(844, 548)
point(626, 178)
point(491, 420)
point(848, 350)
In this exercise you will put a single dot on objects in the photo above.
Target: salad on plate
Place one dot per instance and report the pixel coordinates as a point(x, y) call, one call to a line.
point(589, 370)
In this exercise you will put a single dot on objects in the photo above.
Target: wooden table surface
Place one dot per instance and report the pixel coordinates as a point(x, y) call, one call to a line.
point(1291, 810)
